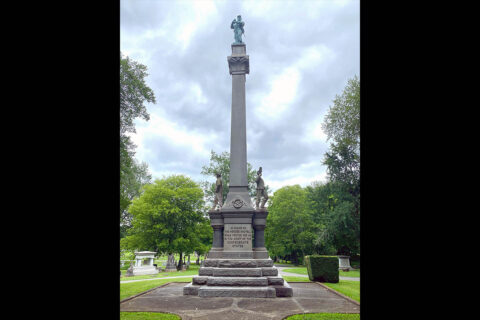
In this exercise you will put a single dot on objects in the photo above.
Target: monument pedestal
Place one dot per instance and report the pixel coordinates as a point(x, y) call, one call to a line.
point(242, 267)
point(144, 264)
point(344, 263)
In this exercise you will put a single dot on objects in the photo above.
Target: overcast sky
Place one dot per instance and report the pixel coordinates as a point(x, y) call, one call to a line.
point(301, 55)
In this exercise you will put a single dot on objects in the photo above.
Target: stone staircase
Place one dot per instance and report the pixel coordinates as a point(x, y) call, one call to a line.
point(254, 278)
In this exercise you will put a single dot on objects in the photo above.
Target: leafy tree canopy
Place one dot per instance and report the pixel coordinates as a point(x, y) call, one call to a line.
point(290, 228)
point(167, 217)
point(342, 123)
point(342, 126)
point(333, 208)
point(134, 93)
point(336, 204)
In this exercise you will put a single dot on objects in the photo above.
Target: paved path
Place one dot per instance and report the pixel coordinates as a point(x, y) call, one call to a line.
point(280, 272)
point(283, 273)
point(308, 297)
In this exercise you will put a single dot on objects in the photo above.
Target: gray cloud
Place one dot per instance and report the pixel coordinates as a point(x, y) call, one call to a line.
point(301, 55)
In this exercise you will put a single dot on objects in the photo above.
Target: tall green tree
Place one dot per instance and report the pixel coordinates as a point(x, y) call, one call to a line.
point(341, 195)
point(290, 228)
point(134, 93)
point(166, 217)
point(342, 123)
point(342, 126)
point(203, 237)
point(331, 207)
point(221, 163)
point(134, 179)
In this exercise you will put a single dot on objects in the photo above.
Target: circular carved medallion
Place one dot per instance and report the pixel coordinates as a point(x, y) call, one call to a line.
point(238, 203)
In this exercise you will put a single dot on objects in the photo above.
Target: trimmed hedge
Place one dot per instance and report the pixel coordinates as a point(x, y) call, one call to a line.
point(322, 268)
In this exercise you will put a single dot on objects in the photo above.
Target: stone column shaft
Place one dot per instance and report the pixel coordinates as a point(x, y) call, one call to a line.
point(259, 223)
point(217, 237)
point(238, 138)
point(238, 198)
point(216, 221)
point(259, 237)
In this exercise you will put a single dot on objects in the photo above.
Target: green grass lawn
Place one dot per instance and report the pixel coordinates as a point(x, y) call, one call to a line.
point(352, 273)
point(325, 316)
point(349, 288)
point(286, 262)
point(133, 288)
point(148, 316)
point(193, 270)
point(297, 270)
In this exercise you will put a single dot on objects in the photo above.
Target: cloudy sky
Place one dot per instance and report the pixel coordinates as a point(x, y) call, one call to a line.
point(301, 55)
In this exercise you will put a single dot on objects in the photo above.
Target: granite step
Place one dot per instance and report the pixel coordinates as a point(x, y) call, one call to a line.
point(191, 289)
point(238, 281)
point(225, 291)
point(238, 272)
point(270, 271)
point(199, 280)
point(284, 290)
point(238, 263)
point(275, 281)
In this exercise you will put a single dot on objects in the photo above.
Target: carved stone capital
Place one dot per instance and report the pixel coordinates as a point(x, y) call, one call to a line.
point(216, 218)
point(259, 226)
point(239, 64)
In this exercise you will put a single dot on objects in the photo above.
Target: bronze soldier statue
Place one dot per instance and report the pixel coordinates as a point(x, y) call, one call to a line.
point(218, 192)
point(260, 190)
point(237, 26)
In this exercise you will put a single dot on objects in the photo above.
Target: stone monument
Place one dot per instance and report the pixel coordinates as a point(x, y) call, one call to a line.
point(238, 264)
point(170, 267)
point(130, 270)
point(344, 263)
point(144, 263)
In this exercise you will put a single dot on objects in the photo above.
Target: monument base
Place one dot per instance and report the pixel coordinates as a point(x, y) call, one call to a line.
point(344, 263)
point(227, 277)
point(230, 255)
point(144, 270)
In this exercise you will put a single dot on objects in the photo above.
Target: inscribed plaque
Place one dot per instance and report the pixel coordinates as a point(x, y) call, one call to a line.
point(237, 237)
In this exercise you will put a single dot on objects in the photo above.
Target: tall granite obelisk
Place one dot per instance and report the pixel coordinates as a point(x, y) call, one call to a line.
point(238, 263)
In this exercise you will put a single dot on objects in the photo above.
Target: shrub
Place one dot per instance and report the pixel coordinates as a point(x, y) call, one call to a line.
point(322, 268)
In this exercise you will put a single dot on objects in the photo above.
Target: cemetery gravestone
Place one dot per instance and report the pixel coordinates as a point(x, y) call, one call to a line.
point(344, 263)
point(171, 266)
point(130, 270)
point(144, 263)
